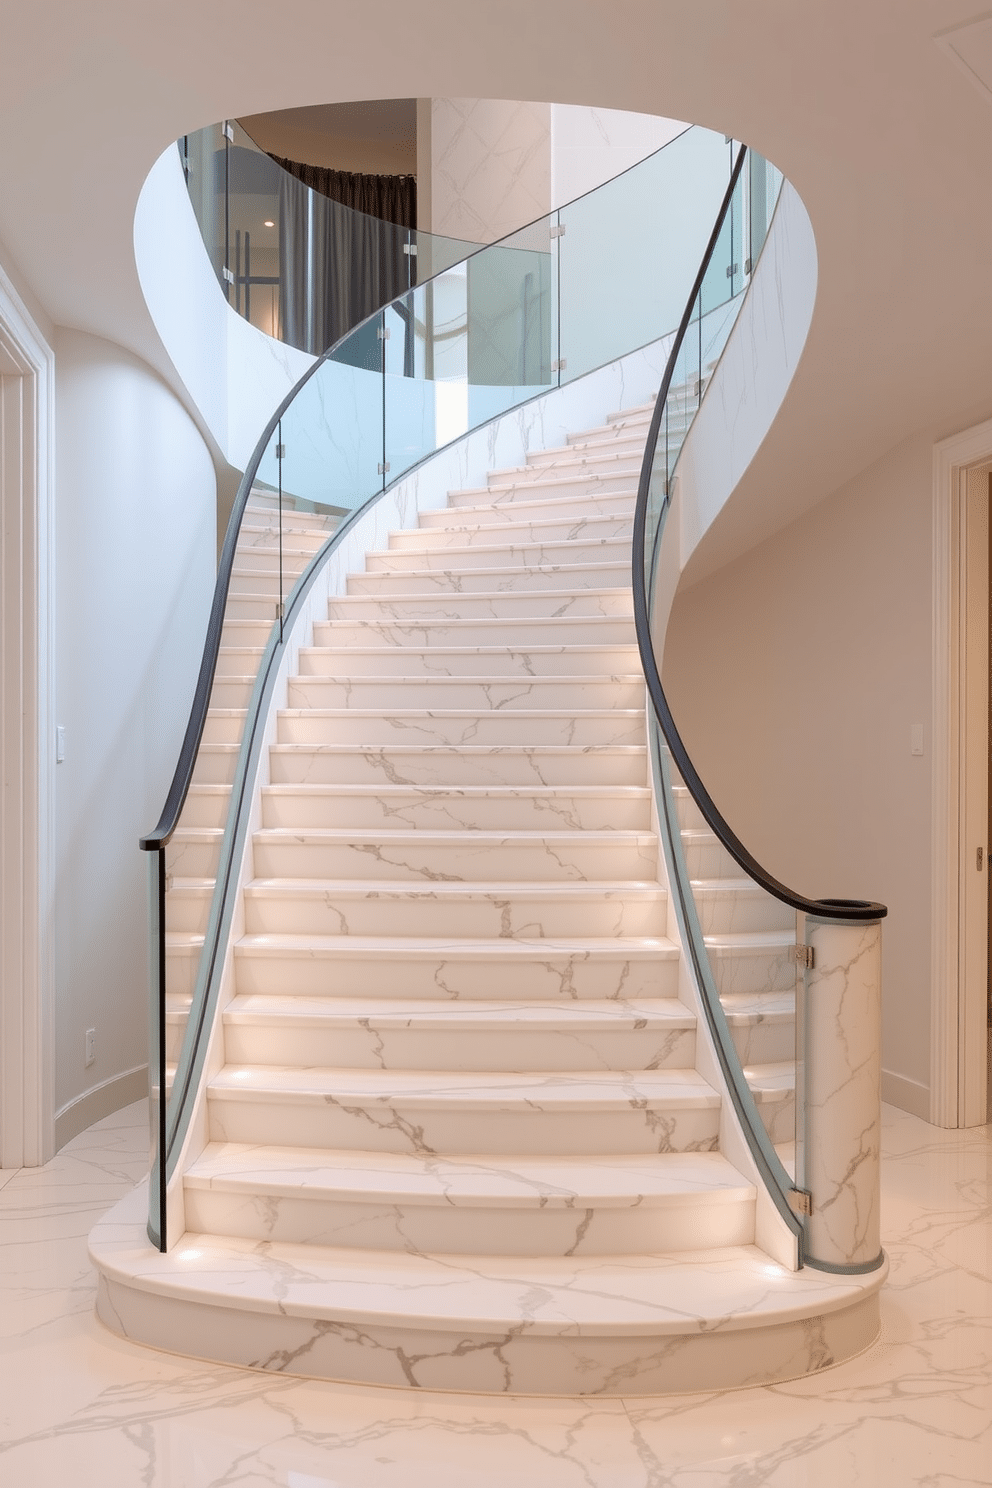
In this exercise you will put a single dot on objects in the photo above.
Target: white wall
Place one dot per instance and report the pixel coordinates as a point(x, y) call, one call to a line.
point(795, 675)
point(592, 145)
point(490, 166)
point(135, 563)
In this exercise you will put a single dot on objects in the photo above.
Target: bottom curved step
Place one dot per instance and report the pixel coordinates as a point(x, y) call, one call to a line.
point(528, 1325)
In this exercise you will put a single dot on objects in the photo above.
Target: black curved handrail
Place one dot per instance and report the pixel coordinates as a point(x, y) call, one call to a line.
point(851, 910)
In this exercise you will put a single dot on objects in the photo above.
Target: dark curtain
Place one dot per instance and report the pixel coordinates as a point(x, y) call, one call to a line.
point(341, 249)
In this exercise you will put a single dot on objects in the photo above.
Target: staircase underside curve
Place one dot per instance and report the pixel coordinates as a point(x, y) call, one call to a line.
point(459, 1140)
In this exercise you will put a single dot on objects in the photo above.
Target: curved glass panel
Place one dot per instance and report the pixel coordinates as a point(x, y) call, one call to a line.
point(484, 335)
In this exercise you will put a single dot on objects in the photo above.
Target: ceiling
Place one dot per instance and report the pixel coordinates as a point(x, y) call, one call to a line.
point(375, 135)
point(887, 140)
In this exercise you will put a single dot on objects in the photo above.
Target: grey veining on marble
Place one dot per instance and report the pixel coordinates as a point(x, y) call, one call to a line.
point(83, 1406)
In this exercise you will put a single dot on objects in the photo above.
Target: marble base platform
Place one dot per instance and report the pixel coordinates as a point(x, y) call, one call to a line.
point(600, 1326)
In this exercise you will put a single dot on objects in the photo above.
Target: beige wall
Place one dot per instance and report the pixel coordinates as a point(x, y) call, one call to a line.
point(812, 654)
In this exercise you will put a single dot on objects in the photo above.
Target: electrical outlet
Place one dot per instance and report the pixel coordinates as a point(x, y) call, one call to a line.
point(90, 1047)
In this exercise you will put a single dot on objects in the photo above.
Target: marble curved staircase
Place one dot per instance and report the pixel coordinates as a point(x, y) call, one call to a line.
point(459, 1139)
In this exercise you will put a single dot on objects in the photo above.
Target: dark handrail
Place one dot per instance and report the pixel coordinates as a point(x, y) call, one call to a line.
point(855, 910)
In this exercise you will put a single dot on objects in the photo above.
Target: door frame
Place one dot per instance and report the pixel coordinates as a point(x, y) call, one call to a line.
point(959, 955)
point(27, 735)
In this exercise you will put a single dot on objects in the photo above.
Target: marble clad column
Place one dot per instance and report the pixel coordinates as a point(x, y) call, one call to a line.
point(842, 1107)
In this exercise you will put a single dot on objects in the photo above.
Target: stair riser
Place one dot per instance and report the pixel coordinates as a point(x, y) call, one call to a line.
point(378, 730)
point(246, 607)
point(464, 861)
point(555, 508)
point(402, 693)
point(427, 1049)
point(752, 971)
point(452, 1230)
point(174, 1029)
point(725, 913)
point(206, 810)
point(452, 767)
point(263, 558)
point(266, 511)
point(482, 917)
point(413, 1127)
point(688, 813)
point(560, 582)
point(180, 971)
point(442, 813)
point(265, 581)
point(709, 859)
point(492, 553)
point(215, 766)
point(188, 910)
point(558, 976)
point(193, 859)
point(247, 633)
point(779, 1118)
point(771, 1042)
point(536, 605)
point(523, 483)
point(295, 539)
point(471, 660)
point(241, 661)
point(563, 529)
point(596, 632)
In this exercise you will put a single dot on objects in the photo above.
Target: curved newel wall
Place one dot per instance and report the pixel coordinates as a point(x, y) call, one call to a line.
point(575, 291)
point(811, 967)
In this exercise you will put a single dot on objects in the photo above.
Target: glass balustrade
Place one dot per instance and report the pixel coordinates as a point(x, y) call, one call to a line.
point(487, 332)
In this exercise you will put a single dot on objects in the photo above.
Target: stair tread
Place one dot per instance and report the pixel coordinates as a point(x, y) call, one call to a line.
point(471, 1090)
point(388, 947)
point(511, 1180)
point(651, 1295)
point(750, 939)
point(381, 888)
point(436, 1013)
point(483, 836)
point(511, 792)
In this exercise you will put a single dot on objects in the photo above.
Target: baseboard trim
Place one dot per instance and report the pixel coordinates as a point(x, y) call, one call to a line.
point(103, 1100)
point(908, 1095)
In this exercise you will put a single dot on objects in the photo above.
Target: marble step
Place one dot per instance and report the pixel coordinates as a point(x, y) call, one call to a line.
point(569, 470)
point(445, 765)
point(467, 856)
point(376, 907)
point(747, 962)
point(404, 1202)
point(466, 808)
point(498, 604)
point(410, 1033)
point(263, 557)
point(260, 608)
point(476, 694)
point(267, 511)
point(556, 509)
point(573, 1325)
point(763, 1026)
point(224, 726)
point(194, 852)
point(392, 966)
point(215, 764)
point(585, 1112)
point(263, 582)
point(773, 1086)
point(182, 957)
point(246, 633)
point(206, 806)
point(510, 633)
point(488, 557)
point(706, 857)
point(461, 661)
point(590, 457)
point(725, 905)
point(566, 535)
point(510, 487)
point(239, 661)
point(451, 726)
point(266, 535)
point(561, 579)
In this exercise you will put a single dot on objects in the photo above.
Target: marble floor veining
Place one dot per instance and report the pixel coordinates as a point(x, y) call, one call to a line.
point(81, 1408)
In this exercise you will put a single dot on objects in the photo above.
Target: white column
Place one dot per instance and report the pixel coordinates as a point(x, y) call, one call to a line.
point(840, 1114)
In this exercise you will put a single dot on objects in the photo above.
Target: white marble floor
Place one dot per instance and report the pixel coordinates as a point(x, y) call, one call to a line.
point(80, 1408)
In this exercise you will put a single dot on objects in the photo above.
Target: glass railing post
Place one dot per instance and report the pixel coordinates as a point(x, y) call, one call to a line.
point(157, 1049)
point(840, 1118)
